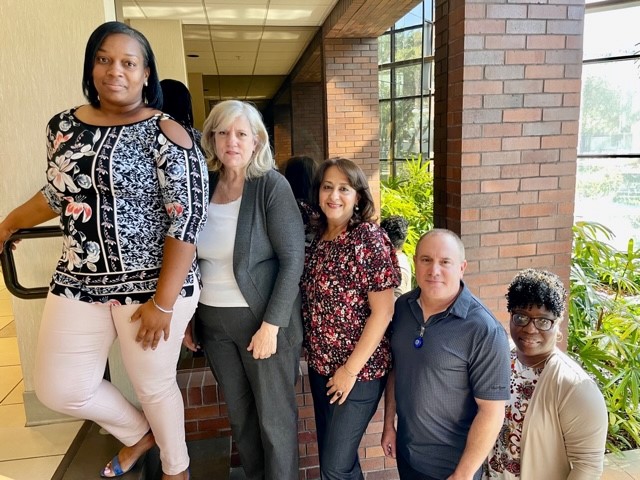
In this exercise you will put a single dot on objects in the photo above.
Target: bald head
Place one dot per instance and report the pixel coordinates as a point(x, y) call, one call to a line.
point(447, 233)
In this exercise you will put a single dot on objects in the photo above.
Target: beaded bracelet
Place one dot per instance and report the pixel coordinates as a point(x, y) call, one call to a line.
point(348, 372)
point(159, 307)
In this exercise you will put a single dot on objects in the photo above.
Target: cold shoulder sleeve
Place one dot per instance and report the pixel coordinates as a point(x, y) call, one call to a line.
point(183, 178)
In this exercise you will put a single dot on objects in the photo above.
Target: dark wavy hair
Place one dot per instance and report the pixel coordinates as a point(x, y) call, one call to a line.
point(397, 228)
point(537, 288)
point(299, 171)
point(151, 94)
point(357, 181)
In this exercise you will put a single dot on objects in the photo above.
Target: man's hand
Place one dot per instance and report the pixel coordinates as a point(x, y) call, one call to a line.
point(388, 442)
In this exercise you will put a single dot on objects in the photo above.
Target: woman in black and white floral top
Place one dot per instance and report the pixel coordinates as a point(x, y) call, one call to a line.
point(130, 189)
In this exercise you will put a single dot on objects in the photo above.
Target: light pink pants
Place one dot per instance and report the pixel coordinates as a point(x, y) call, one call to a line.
point(73, 346)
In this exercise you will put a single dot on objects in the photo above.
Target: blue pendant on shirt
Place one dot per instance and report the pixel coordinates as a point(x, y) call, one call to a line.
point(418, 341)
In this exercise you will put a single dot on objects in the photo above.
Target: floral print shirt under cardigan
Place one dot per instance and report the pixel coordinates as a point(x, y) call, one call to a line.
point(337, 277)
point(504, 459)
point(119, 192)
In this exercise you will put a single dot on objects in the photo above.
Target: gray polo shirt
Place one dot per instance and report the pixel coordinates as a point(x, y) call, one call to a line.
point(465, 354)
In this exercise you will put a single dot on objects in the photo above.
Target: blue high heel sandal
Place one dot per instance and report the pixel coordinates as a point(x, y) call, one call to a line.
point(116, 468)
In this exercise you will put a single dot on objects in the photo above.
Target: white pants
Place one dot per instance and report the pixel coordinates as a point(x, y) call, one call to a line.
point(73, 346)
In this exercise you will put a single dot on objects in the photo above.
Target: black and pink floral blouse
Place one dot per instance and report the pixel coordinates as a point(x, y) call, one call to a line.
point(337, 277)
point(119, 192)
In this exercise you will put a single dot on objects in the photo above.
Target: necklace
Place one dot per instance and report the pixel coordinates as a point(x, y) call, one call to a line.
point(541, 362)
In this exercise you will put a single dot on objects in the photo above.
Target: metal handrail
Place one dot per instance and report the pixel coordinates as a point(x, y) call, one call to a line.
point(9, 266)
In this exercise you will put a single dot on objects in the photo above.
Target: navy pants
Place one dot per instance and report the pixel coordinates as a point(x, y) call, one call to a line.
point(340, 427)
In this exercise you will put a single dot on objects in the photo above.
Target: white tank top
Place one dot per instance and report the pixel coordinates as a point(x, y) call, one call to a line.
point(215, 255)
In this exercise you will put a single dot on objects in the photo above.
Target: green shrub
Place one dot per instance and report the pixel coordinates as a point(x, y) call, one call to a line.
point(604, 331)
point(410, 194)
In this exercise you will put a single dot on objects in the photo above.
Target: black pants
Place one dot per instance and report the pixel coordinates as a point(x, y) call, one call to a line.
point(408, 473)
point(260, 394)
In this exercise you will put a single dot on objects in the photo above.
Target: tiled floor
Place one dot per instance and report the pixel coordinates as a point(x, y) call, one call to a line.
point(26, 453)
point(33, 453)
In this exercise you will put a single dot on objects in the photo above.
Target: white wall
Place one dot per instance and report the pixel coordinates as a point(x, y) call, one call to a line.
point(41, 59)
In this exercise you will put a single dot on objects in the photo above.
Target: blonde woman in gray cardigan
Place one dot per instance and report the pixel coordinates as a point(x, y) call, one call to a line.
point(251, 255)
point(555, 425)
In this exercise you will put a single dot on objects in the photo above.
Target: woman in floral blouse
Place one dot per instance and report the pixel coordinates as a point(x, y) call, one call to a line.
point(130, 189)
point(347, 293)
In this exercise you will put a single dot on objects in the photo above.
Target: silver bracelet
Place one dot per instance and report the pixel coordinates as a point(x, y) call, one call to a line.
point(153, 299)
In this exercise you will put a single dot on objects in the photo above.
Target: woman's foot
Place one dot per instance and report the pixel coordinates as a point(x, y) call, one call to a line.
point(128, 456)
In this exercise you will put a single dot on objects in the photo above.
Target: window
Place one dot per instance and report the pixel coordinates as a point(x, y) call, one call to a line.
point(405, 79)
point(608, 170)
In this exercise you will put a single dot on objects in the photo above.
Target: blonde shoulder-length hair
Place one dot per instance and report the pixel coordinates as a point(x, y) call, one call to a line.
point(220, 118)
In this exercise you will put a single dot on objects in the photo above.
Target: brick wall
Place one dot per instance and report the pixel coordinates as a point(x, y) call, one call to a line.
point(507, 107)
point(206, 416)
point(353, 119)
point(282, 144)
point(307, 106)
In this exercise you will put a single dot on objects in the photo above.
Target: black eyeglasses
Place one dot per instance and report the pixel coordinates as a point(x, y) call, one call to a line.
point(541, 323)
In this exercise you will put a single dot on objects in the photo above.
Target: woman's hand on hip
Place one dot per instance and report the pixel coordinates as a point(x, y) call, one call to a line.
point(264, 342)
point(154, 325)
point(340, 386)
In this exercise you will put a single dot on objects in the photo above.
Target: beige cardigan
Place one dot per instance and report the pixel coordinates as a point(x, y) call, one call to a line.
point(565, 429)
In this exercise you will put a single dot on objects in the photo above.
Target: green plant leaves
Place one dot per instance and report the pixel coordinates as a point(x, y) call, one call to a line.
point(604, 331)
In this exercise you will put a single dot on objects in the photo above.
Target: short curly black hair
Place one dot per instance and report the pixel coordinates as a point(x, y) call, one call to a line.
point(397, 228)
point(537, 288)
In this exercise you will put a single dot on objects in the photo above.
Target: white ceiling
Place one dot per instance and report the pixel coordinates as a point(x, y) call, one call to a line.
point(239, 38)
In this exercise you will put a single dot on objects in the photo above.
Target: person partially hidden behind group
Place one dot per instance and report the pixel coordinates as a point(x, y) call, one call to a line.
point(176, 101)
point(555, 426)
point(350, 273)
point(397, 228)
point(299, 172)
point(251, 253)
point(130, 189)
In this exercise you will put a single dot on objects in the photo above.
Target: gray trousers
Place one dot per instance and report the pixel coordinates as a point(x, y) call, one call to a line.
point(260, 394)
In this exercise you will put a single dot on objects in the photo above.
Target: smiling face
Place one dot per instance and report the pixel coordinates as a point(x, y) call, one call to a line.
point(337, 198)
point(119, 72)
point(533, 345)
point(439, 265)
point(235, 144)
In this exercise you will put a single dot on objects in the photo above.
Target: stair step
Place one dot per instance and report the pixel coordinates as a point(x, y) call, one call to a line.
point(92, 448)
point(89, 453)
point(210, 460)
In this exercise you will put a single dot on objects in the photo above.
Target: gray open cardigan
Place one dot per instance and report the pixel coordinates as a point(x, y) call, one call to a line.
point(268, 254)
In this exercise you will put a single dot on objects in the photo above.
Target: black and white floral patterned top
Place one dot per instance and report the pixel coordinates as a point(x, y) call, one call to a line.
point(119, 192)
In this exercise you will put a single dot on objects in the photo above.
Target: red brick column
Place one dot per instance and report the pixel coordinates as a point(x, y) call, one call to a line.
point(307, 106)
point(282, 144)
point(507, 107)
point(351, 82)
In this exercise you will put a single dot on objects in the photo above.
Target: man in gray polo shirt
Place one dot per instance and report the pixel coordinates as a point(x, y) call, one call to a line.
point(450, 376)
